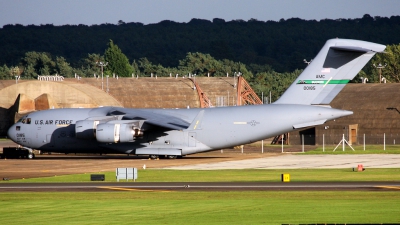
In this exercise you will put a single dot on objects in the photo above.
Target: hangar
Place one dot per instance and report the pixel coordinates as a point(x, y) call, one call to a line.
point(375, 106)
point(376, 117)
point(19, 97)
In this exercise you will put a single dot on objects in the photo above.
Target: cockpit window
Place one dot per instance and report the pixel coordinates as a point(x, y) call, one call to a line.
point(17, 128)
point(25, 120)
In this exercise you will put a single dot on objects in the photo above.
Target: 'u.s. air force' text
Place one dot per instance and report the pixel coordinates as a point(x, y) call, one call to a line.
point(55, 122)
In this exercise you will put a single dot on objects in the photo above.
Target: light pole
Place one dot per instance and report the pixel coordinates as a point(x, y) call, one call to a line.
point(234, 80)
point(238, 74)
point(101, 64)
point(380, 67)
point(228, 98)
point(107, 83)
point(15, 72)
point(234, 86)
point(194, 81)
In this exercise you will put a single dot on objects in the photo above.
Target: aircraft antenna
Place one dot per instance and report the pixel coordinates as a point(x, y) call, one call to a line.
point(308, 62)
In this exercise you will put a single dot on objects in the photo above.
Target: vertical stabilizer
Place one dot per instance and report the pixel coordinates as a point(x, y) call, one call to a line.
point(336, 64)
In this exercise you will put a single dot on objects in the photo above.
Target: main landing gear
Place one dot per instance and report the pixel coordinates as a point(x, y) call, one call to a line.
point(163, 156)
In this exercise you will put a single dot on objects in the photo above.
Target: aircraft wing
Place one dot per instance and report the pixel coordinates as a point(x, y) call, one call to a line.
point(152, 118)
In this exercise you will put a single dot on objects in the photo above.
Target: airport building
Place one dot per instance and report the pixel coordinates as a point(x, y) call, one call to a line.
point(376, 117)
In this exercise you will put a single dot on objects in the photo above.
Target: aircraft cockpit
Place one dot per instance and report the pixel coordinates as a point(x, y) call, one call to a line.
point(25, 120)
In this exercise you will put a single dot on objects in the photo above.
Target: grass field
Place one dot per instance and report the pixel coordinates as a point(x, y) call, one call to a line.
point(198, 207)
point(247, 175)
point(223, 207)
point(140, 207)
point(328, 149)
point(358, 149)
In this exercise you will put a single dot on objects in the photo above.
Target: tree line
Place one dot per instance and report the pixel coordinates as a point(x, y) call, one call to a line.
point(268, 60)
point(281, 44)
point(262, 78)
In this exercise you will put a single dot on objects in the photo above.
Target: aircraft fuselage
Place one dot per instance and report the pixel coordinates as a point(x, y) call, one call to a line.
point(223, 127)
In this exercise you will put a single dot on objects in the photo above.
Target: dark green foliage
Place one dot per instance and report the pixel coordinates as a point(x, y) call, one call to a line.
point(269, 55)
point(206, 65)
point(283, 44)
point(5, 72)
point(274, 82)
point(118, 63)
point(42, 63)
point(391, 63)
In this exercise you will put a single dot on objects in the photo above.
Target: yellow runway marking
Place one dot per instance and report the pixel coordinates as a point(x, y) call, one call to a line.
point(389, 187)
point(132, 189)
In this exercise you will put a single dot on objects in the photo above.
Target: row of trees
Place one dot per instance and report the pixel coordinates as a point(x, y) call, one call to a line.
point(282, 44)
point(263, 78)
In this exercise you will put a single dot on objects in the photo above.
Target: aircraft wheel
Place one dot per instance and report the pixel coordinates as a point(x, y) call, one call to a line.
point(153, 156)
point(172, 156)
point(31, 156)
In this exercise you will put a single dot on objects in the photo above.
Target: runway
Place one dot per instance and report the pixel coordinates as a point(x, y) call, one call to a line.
point(298, 161)
point(55, 165)
point(198, 186)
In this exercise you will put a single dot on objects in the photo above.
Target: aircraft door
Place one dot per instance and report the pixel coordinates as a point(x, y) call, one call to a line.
point(352, 134)
point(192, 139)
point(116, 132)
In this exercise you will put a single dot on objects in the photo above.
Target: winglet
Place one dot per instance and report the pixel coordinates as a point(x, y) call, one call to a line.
point(196, 123)
point(336, 64)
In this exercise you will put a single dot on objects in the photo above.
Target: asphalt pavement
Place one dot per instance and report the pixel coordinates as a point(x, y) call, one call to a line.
point(298, 161)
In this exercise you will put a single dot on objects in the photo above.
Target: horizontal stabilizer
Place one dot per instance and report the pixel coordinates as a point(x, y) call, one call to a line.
point(351, 49)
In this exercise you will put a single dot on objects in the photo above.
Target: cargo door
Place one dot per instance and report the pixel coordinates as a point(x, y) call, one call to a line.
point(116, 132)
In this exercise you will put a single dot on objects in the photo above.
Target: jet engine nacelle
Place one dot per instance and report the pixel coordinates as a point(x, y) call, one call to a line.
point(86, 129)
point(114, 132)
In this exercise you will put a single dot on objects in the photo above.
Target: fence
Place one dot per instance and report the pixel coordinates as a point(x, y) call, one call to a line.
point(302, 143)
point(360, 139)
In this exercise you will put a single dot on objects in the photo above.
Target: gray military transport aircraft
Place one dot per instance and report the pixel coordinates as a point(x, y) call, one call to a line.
point(178, 132)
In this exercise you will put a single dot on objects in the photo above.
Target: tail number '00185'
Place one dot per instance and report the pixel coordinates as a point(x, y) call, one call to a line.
point(309, 88)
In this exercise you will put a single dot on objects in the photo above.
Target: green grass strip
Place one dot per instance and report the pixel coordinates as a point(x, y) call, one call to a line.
point(358, 149)
point(245, 175)
point(135, 207)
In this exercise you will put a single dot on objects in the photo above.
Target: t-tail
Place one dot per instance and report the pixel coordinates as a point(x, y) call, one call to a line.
point(338, 62)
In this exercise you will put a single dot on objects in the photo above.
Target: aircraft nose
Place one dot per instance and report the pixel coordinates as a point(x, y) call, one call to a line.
point(11, 133)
